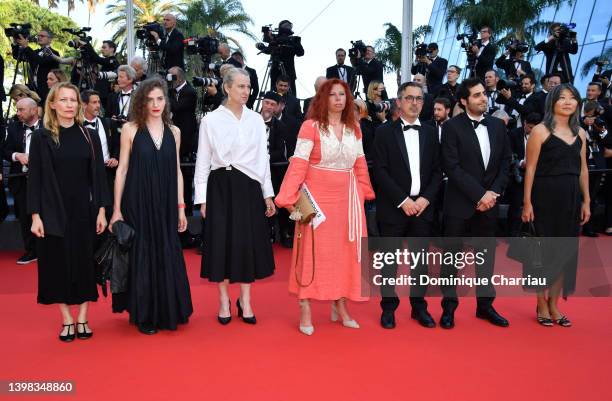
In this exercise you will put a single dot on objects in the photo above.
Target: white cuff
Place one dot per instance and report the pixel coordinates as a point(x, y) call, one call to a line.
point(13, 156)
point(404, 201)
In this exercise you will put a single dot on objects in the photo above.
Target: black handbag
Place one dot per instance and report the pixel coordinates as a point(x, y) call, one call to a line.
point(527, 248)
point(112, 258)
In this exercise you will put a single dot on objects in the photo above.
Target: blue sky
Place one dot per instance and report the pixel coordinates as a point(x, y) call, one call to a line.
point(336, 26)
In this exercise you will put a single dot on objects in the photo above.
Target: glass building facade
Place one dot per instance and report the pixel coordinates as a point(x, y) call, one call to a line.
point(592, 18)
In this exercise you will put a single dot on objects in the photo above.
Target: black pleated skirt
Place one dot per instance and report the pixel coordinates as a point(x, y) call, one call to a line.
point(237, 243)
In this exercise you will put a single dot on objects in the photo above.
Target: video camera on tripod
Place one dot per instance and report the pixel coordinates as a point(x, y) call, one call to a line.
point(279, 40)
point(469, 40)
point(81, 37)
point(18, 31)
point(358, 50)
point(143, 33)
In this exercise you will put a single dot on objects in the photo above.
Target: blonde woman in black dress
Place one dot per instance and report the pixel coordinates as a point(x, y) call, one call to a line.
point(67, 193)
point(557, 198)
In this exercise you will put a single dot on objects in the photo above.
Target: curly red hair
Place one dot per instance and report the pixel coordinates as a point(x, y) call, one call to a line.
point(319, 106)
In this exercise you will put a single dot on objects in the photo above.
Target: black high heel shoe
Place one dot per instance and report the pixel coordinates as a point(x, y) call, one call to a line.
point(249, 320)
point(84, 335)
point(68, 337)
point(226, 320)
point(544, 321)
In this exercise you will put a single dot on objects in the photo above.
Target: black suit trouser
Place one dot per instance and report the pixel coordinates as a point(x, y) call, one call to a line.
point(415, 231)
point(20, 195)
point(482, 227)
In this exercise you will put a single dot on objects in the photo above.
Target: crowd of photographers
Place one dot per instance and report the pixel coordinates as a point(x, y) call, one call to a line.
point(511, 88)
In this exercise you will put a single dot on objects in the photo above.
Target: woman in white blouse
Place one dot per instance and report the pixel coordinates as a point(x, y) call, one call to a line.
point(233, 186)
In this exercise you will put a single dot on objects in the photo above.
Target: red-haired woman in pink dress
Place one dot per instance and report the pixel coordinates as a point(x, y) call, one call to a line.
point(329, 161)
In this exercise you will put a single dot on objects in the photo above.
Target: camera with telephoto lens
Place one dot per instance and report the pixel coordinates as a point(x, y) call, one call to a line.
point(358, 50)
point(566, 31)
point(517, 46)
point(143, 32)
point(81, 37)
point(17, 31)
point(204, 81)
point(467, 40)
point(385, 105)
point(601, 63)
point(204, 46)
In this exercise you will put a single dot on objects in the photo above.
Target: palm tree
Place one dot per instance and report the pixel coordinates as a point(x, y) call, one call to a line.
point(389, 48)
point(218, 18)
point(508, 18)
point(91, 4)
point(606, 56)
point(144, 11)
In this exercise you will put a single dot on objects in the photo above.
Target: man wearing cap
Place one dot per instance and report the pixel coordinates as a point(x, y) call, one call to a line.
point(277, 147)
point(432, 66)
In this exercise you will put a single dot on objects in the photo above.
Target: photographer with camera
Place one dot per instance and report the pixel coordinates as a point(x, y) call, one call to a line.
point(225, 54)
point(527, 102)
point(557, 47)
point(512, 61)
point(171, 45)
point(41, 60)
point(378, 105)
point(448, 90)
point(495, 101)
point(292, 104)
point(282, 47)
point(484, 52)
point(367, 65)
point(430, 65)
point(118, 105)
point(341, 71)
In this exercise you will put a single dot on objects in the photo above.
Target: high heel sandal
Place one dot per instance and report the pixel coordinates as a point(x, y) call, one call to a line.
point(308, 330)
point(84, 335)
point(226, 320)
point(563, 321)
point(68, 337)
point(249, 320)
point(352, 324)
point(544, 321)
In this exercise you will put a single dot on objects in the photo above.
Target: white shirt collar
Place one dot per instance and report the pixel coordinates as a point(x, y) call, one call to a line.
point(181, 86)
point(479, 119)
point(404, 122)
point(485, 43)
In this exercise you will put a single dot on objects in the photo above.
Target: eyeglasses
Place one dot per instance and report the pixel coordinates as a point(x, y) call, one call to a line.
point(456, 72)
point(410, 99)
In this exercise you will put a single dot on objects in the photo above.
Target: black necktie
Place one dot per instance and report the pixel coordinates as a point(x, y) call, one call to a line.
point(415, 127)
point(477, 123)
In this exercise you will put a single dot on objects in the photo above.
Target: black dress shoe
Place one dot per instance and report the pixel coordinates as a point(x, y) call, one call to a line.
point(68, 337)
point(26, 258)
point(147, 328)
point(249, 320)
point(387, 320)
point(447, 320)
point(492, 316)
point(424, 318)
point(590, 233)
point(84, 335)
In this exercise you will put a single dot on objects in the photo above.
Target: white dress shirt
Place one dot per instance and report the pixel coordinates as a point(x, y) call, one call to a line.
point(342, 73)
point(411, 138)
point(124, 102)
point(228, 142)
point(27, 136)
point(483, 139)
point(482, 48)
point(102, 135)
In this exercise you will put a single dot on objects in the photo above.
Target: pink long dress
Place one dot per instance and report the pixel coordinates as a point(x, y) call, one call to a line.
point(336, 174)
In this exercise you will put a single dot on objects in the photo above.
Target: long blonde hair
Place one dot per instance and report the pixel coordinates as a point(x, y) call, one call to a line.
point(50, 120)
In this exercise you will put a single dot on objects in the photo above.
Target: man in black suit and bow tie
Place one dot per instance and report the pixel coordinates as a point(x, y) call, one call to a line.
point(183, 104)
point(342, 71)
point(485, 52)
point(527, 102)
point(432, 67)
point(109, 137)
point(408, 173)
point(513, 64)
point(476, 158)
point(172, 44)
point(118, 105)
point(16, 150)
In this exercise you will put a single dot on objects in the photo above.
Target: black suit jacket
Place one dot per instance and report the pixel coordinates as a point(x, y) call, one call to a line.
point(183, 108)
point(332, 72)
point(113, 140)
point(254, 86)
point(507, 64)
point(372, 71)
point(393, 175)
point(517, 142)
point(15, 143)
point(434, 73)
point(427, 110)
point(40, 65)
point(292, 126)
point(558, 56)
point(173, 50)
point(486, 59)
point(533, 104)
point(292, 106)
point(462, 162)
point(306, 106)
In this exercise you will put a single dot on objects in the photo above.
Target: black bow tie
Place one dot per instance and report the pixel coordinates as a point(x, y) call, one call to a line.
point(91, 124)
point(26, 127)
point(407, 127)
point(126, 94)
point(477, 123)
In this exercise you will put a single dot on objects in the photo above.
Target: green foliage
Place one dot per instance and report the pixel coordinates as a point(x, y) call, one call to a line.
point(590, 64)
point(389, 48)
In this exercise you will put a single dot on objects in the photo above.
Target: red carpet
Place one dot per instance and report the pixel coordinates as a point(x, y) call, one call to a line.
point(273, 361)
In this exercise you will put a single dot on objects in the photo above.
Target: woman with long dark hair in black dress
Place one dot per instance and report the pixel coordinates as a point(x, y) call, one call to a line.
point(149, 197)
point(557, 198)
point(66, 195)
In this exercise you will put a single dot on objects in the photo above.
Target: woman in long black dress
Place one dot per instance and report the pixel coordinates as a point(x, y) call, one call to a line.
point(556, 198)
point(149, 197)
point(234, 188)
point(66, 196)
